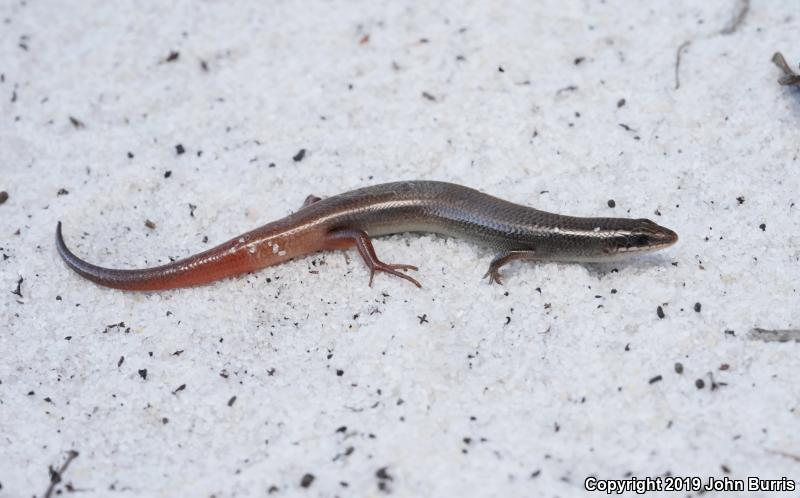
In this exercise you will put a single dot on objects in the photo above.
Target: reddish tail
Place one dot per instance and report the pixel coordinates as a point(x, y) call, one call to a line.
point(225, 260)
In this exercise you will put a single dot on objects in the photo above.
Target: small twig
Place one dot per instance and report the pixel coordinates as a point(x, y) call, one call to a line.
point(785, 454)
point(731, 27)
point(789, 77)
point(738, 19)
point(678, 62)
point(570, 88)
point(55, 475)
point(774, 335)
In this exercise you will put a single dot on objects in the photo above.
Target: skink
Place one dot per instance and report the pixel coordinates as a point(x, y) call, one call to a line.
point(516, 232)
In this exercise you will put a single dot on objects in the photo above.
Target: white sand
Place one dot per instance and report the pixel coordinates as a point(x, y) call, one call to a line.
point(524, 389)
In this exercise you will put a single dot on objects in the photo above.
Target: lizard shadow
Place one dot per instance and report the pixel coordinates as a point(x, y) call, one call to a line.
point(604, 269)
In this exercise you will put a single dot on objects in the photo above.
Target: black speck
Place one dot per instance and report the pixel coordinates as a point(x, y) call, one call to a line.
point(500, 68)
point(130, 155)
point(339, 372)
point(121, 361)
point(62, 191)
point(232, 401)
point(613, 291)
point(612, 203)
point(3, 196)
point(698, 307)
point(192, 207)
point(173, 56)
point(384, 478)
point(120, 325)
point(18, 290)
point(179, 389)
point(271, 165)
point(77, 123)
point(730, 332)
point(179, 149)
point(678, 368)
point(307, 480)
point(299, 156)
point(142, 373)
point(763, 227)
point(423, 318)
point(428, 96)
point(578, 60)
point(740, 200)
point(660, 312)
point(167, 174)
point(620, 103)
point(655, 379)
point(149, 224)
point(699, 383)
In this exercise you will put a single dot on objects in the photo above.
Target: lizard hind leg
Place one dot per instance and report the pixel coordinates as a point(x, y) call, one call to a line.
point(503, 259)
point(311, 199)
point(367, 252)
